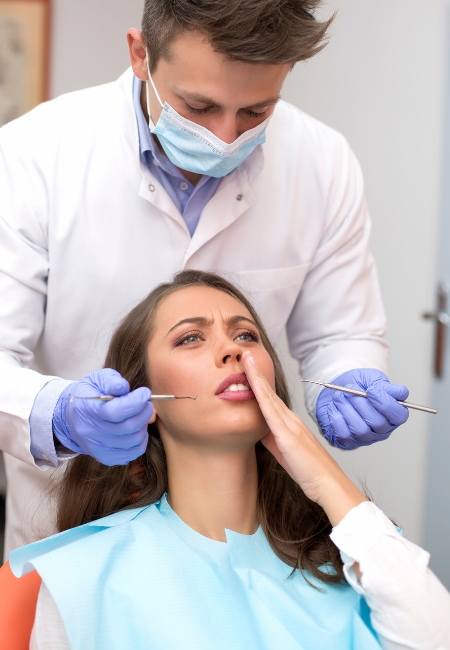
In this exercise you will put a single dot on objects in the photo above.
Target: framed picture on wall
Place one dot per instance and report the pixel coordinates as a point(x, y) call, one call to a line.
point(24, 56)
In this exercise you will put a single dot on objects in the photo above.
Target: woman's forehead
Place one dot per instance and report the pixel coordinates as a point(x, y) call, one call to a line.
point(198, 301)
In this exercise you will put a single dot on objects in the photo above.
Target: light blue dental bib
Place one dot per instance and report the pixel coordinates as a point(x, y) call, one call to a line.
point(143, 579)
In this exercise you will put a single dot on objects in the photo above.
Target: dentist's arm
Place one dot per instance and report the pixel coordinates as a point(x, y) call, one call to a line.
point(337, 327)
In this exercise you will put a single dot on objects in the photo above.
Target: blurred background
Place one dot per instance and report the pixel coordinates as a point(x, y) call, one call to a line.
point(382, 81)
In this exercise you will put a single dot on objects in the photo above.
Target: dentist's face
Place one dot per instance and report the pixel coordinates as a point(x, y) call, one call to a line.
point(226, 97)
point(196, 348)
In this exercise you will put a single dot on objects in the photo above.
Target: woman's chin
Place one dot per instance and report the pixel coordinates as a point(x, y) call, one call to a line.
point(236, 423)
point(224, 438)
point(243, 434)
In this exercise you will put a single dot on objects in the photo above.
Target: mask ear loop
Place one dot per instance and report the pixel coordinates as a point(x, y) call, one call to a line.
point(152, 124)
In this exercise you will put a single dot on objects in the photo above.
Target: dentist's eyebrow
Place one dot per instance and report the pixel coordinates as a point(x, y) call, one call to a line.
point(269, 102)
point(200, 320)
point(211, 102)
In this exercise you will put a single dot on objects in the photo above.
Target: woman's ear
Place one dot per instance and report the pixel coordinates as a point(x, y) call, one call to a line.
point(153, 418)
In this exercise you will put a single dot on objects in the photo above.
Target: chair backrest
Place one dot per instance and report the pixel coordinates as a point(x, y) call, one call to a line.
point(18, 599)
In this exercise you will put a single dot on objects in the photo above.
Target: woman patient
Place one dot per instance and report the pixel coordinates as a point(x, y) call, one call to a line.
point(236, 529)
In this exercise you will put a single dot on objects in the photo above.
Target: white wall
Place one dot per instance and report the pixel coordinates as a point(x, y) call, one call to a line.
point(380, 82)
point(89, 43)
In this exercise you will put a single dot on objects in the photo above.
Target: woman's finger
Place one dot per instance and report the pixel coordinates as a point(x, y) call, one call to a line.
point(272, 407)
point(254, 374)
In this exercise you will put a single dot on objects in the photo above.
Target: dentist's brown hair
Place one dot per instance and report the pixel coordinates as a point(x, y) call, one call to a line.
point(254, 31)
point(297, 528)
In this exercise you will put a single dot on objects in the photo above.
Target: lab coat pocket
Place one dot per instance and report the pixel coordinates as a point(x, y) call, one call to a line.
point(273, 293)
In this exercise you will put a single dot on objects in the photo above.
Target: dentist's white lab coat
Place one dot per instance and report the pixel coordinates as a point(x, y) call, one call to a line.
point(86, 232)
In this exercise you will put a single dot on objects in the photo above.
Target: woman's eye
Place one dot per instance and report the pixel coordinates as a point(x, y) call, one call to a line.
point(189, 338)
point(248, 336)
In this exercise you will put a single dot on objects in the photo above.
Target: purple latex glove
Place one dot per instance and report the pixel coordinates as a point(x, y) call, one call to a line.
point(113, 432)
point(348, 421)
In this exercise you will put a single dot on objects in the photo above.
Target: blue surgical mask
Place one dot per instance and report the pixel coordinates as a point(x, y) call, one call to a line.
point(191, 147)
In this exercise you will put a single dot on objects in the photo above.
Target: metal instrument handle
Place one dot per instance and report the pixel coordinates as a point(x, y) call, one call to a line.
point(361, 393)
point(153, 398)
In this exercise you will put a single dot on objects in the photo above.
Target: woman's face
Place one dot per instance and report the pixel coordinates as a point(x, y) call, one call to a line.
point(198, 340)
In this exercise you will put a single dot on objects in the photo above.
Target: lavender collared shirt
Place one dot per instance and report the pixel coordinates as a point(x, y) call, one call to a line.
point(187, 198)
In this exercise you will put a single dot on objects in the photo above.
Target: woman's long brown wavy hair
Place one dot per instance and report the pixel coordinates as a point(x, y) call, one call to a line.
point(296, 527)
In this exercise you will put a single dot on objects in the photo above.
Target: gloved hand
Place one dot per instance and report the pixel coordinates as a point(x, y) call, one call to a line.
point(113, 432)
point(348, 421)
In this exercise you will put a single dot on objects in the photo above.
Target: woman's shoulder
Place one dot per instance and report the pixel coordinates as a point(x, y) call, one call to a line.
point(26, 559)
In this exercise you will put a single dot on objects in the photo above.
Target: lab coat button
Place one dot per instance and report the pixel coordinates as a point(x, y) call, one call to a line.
point(183, 186)
point(239, 197)
point(151, 188)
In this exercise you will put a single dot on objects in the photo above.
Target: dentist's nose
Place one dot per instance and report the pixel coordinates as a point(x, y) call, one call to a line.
point(226, 129)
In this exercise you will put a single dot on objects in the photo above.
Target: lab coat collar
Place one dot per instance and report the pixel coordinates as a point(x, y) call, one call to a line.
point(125, 83)
point(150, 189)
point(233, 197)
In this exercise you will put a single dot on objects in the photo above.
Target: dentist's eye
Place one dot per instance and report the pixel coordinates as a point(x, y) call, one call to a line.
point(199, 111)
point(248, 335)
point(189, 338)
point(251, 113)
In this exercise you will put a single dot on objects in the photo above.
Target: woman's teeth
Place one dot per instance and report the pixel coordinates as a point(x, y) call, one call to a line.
point(236, 387)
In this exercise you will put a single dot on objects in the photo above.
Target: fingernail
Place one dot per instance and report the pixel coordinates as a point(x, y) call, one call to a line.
point(251, 360)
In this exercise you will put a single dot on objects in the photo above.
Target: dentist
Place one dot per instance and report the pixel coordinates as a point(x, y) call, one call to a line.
point(189, 160)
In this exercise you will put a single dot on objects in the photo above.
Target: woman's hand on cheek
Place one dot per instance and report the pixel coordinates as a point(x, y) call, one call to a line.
point(299, 452)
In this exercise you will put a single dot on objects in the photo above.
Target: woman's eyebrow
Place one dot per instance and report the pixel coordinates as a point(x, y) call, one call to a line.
point(197, 320)
point(235, 319)
point(201, 320)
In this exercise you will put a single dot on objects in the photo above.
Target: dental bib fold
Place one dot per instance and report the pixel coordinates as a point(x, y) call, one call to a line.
point(142, 578)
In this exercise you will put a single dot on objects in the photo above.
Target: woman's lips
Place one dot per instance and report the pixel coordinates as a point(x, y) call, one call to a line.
point(235, 395)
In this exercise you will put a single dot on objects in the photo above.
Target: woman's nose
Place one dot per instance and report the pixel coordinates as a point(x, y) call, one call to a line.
point(229, 357)
point(228, 351)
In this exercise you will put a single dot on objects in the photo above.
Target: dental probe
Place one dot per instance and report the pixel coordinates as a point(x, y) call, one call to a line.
point(153, 398)
point(360, 393)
